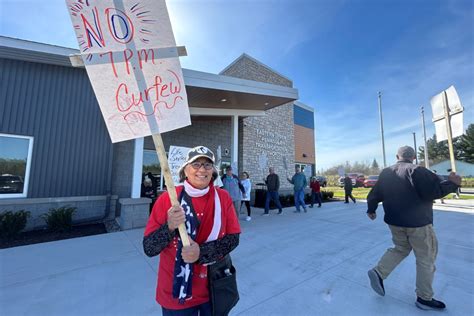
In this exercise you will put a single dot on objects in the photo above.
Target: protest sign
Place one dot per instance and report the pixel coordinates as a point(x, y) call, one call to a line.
point(308, 171)
point(130, 55)
point(341, 172)
point(176, 158)
point(131, 59)
point(448, 118)
point(455, 114)
point(218, 181)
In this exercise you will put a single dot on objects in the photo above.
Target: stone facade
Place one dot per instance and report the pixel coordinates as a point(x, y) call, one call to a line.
point(271, 135)
point(207, 131)
point(245, 67)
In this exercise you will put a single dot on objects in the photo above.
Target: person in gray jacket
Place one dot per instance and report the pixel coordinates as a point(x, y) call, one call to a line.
point(407, 192)
point(231, 183)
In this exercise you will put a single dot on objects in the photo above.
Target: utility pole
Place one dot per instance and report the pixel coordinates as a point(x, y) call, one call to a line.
point(427, 162)
point(416, 150)
point(381, 130)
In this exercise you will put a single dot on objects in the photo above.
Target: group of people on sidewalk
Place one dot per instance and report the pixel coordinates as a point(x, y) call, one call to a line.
point(210, 216)
point(299, 184)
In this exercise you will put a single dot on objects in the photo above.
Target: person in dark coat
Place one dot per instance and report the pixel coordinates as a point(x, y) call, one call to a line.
point(273, 185)
point(407, 192)
point(348, 190)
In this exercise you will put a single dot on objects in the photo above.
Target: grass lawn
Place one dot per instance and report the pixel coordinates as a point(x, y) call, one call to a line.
point(358, 193)
point(361, 193)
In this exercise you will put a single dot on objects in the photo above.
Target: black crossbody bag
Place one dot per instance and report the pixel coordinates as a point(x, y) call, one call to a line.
point(222, 286)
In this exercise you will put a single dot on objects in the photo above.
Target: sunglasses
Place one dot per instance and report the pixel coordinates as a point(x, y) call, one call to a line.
point(197, 165)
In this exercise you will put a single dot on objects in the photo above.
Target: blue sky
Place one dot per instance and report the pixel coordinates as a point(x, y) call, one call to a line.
point(339, 54)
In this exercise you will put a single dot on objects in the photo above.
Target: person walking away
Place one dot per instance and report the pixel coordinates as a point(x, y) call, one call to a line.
point(299, 183)
point(348, 190)
point(231, 184)
point(246, 196)
point(407, 192)
point(315, 191)
point(273, 185)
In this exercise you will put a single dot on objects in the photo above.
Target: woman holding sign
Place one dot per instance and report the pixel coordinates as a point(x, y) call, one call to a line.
point(187, 276)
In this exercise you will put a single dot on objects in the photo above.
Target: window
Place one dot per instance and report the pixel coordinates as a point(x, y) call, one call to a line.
point(15, 163)
point(151, 166)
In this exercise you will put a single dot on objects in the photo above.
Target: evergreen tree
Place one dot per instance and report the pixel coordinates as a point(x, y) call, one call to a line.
point(374, 168)
point(465, 145)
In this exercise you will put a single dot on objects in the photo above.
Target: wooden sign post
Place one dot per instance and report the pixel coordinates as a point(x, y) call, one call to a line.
point(131, 58)
point(448, 119)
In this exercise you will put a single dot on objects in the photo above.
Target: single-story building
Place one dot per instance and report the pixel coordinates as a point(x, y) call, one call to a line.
point(55, 149)
point(463, 168)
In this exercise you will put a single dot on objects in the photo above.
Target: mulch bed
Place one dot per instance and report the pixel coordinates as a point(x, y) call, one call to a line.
point(39, 236)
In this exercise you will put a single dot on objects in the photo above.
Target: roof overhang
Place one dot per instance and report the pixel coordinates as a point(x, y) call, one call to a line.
point(205, 90)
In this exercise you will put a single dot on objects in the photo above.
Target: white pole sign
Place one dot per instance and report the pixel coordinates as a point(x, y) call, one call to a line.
point(455, 114)
point(130, 55)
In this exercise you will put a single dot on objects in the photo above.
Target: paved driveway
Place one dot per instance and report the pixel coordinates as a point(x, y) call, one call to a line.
point(293, 264)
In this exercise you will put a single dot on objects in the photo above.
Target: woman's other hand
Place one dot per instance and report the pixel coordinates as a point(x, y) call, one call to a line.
point(175, 217)
point(190, 253)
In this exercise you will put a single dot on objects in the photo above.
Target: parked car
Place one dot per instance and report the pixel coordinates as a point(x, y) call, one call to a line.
point(322, 180)
point(356, 178)
point(370, 181)
point(11, 184)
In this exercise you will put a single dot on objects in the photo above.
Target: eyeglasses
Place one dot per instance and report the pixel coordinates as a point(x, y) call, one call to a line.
point(197, 165)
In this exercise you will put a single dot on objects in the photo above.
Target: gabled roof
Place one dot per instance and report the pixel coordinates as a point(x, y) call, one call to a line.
point(243, 56)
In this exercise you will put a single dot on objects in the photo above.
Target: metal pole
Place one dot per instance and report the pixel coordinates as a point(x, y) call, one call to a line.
point(427, 162)
point(448, 130)
point(381, 130)
point(416, 150)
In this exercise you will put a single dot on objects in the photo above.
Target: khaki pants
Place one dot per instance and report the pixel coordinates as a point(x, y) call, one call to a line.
point(425, 246)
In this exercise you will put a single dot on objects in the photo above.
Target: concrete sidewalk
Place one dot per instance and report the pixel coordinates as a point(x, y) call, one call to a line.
point(293, 264)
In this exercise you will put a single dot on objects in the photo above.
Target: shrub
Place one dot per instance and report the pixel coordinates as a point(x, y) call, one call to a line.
point(327, 195)
point(11, 224)
point(290, 198)
point(467, 182)
point(60, 219)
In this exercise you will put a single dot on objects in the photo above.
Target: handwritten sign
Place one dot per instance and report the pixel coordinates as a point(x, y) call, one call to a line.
point(455, 109)
point(218, 181)
point(130, 54)
point(176, 158)
point(262, 161)
point(308, 171)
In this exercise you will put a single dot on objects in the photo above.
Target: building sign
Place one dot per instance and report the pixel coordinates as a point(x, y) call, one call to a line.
point(131, 58)
point(272, 142)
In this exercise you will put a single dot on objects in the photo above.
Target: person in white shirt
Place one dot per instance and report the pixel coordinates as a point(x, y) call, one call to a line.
point(246, 196)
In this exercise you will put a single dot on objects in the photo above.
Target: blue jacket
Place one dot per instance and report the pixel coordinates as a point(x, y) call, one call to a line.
point(299, 181)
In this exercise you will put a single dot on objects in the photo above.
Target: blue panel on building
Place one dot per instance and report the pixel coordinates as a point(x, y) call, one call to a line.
point(303, 117)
